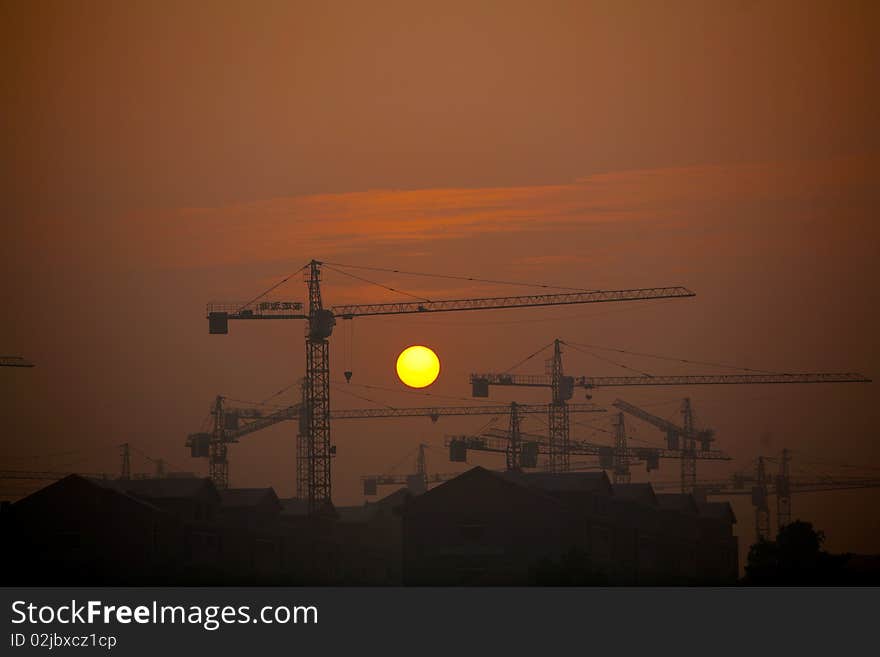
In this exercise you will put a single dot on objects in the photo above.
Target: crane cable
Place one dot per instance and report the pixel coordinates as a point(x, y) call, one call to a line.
point(280, 392)
point(673, 359)
point(629, 436)
point(278, 284)
point(527, 358)
point(608, 360)
point(367, 399)
point(471, 279)
point(152, 460)
point(420, 393)
point(411, 452)
point(367, 280)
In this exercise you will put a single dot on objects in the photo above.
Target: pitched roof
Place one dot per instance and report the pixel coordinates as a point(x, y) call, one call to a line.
point(480, 489)
point(293, 506)
point(240, 498)
point(368, 510)
point(596, 482)
point(77, 481)
point(182, 488)
point(641, 493)
point(721, 510)
point(681, 502)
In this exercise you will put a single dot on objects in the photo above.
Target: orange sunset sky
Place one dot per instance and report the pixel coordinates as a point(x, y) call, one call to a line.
point(159, 155)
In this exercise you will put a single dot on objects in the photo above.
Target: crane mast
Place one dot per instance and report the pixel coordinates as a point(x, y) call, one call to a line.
point(513, 453)
point(558, 421)
point(316, 402)
point(125, 471)
point(783, 490)
point(218, 461)
point(689, 448)
point(620, 473)
point(314, 442)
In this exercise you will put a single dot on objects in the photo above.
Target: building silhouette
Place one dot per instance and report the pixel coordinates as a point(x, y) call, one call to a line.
point(481, 528)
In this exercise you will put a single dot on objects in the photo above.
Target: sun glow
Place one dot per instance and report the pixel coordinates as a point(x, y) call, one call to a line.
point(418, 366)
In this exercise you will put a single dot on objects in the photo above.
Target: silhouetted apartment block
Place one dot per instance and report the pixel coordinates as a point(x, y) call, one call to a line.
point(636, 534)
point(194, 504)
point(247, 526)
point(481, 527)
point(190, 499)
point(250, 506)
point(311, 550)
point(78, 530)
point(492, 528)
point(719, 553)
point(373, 534)
point(181, 530)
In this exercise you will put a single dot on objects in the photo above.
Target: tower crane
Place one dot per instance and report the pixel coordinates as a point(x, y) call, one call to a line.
point(762, 484)
point(227, 426)
point(125, 473)
point(55, 475)
point(315, 449)
point(230, 424)
point(14, 361)
point(683, 437)
point(562, 389)
point(417, 482)
point(522, 449)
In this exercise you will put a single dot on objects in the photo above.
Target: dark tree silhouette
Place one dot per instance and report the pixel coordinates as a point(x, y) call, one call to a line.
point(795, 558)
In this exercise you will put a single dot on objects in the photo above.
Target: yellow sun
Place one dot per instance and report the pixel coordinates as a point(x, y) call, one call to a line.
point(418, 366)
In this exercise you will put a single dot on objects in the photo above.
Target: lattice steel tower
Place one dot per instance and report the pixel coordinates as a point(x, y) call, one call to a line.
point(783, 491)
point(558, 413)
point(316, 408)
point(620, 472)
point(689, 449)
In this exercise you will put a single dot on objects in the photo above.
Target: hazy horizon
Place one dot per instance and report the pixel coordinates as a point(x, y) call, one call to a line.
point(161, 156)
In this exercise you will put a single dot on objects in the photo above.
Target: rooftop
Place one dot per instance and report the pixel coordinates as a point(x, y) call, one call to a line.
point(177, 488)
point(241, 498)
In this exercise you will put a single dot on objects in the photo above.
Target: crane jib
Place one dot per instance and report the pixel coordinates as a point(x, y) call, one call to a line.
point(483, 380)
point(501, 303)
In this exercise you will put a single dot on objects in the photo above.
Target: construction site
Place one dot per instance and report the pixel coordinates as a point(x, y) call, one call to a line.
point(640, 492)
point(478, 326)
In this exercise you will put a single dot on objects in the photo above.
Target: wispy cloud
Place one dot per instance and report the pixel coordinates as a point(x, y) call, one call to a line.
point(684, 198)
